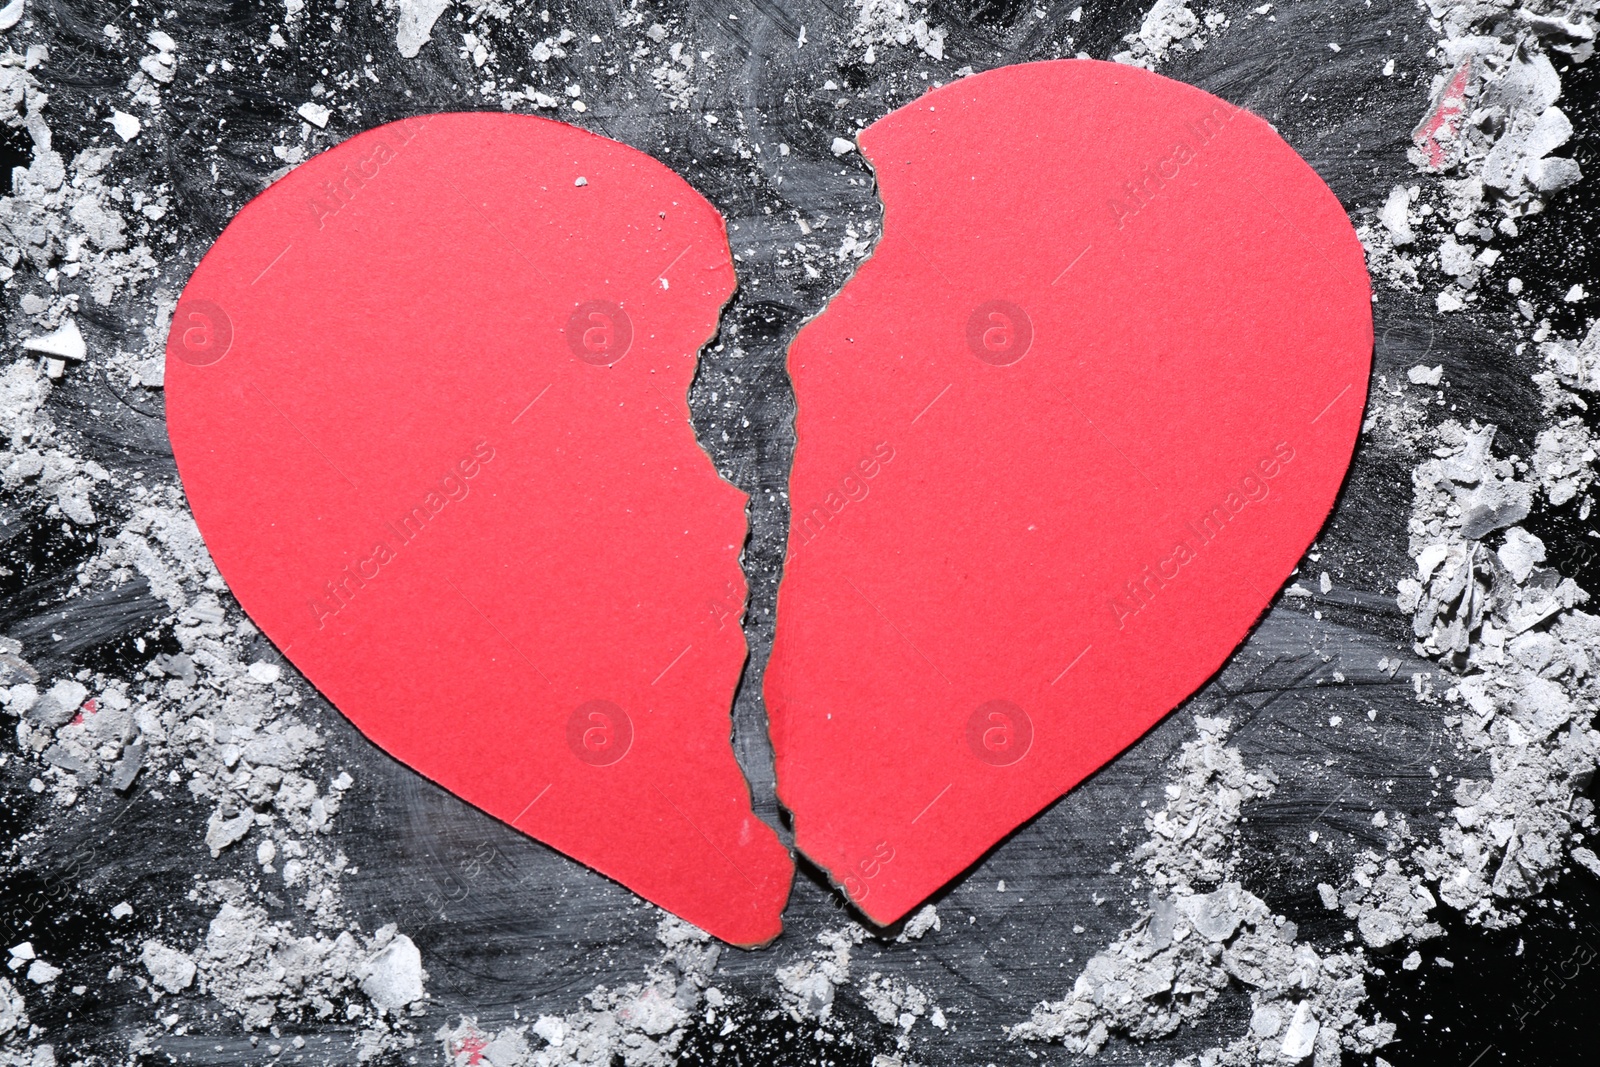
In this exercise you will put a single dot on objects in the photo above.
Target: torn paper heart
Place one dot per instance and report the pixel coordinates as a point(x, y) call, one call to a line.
point(428, 398)
point(1059, 442)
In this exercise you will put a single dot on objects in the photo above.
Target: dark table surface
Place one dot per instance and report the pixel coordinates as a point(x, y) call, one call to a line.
point(503, 922)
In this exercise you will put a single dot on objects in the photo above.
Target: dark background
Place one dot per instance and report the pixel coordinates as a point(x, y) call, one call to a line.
point(502, 921)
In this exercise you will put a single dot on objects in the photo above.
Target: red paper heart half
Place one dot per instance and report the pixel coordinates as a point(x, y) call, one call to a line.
point(1059, 442)
point(428, 397)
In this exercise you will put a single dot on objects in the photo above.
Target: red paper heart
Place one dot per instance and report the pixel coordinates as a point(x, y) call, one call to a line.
point(428, 396)
point(1060, 441)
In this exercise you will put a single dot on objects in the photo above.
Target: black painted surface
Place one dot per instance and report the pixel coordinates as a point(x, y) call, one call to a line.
point(504, 923)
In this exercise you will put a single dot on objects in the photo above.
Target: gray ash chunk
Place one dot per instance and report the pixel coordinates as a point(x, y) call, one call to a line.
point(59, 705)
point(169, 969)
point(127, 767)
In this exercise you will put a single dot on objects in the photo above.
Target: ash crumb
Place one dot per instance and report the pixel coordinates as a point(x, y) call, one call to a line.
point(1169, 25)
point(171, 970)
point(808, 986)
point(1586, 859)
point(392, 977)
point(1388, 904)
point(897, 1003)
point(41, 972)
point(1563, 459)
point(1190, 839)
point(643, 1024)
point(896, 23)
point(466, 1045)
point(927, 918)
point(264, 973)
point(415, 27)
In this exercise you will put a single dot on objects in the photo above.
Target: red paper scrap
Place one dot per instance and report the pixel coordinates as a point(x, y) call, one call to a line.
point(428, 396)
point(1438, 135)
point(1059, 443)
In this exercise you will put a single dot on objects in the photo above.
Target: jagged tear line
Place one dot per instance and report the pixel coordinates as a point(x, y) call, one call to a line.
point(788, 527)
point(743, 562)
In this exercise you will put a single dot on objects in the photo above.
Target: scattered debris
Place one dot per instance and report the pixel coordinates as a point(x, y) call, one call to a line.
point(1387, 904)
point(900, 23)
point(126, 126)
point(263, 972)
point(1167, 25)
point(171, 970)
point(1190, 944)
point(808, 986)
point(65, 343)
point(1515, 629)
point(19, 1046)
point(416, 24)
point(393, 977)
point(42, 973)
point(923, 920)
point(314, 113)
point(211, 719)
point(641, 1025)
